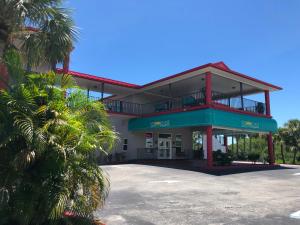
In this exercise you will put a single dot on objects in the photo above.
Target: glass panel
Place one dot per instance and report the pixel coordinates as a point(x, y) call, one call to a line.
point(161, 143)
point(167, 153)
point(164, 136)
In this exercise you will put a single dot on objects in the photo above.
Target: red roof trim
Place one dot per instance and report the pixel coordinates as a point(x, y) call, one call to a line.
point(246, 77)
point(33, 29)
point(177, 75)
point(220, 65)
point(99, 79)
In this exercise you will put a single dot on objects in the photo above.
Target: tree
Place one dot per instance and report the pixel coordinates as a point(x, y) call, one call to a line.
point(48, 145)
point(279, 138)
point(292, 136)
point(54, 30)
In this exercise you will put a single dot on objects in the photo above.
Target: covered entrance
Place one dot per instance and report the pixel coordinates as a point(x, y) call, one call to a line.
point(211, 122)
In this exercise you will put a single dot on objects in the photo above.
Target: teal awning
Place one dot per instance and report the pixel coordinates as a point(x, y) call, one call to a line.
point(204, 117)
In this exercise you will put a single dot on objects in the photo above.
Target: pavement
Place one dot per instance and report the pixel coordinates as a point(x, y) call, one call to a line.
point(147, 195)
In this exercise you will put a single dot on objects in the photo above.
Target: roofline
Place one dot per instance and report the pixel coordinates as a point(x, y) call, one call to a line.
point(33, 29)
point(135, 86)
point(176, 75)
point(247, 77)
point(99, 79)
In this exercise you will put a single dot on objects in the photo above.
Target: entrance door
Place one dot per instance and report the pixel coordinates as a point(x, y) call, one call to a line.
point(164, 146)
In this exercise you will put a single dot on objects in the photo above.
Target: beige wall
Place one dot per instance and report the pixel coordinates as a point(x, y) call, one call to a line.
point(137, 139)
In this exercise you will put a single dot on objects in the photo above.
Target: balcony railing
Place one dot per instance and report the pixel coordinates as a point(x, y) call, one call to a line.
point(182, 102)
point(244, 105)
point(176, 103)
point(123, 107)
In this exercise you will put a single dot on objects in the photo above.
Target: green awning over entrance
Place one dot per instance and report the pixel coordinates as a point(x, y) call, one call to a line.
point(204, 117)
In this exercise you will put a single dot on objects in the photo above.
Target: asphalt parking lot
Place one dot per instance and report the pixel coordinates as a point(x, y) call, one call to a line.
point(145, 195)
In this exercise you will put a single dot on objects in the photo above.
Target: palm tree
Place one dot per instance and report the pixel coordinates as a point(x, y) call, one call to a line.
point(292, 136)
point(53, 30)
point(279, 138)
point(48, 145)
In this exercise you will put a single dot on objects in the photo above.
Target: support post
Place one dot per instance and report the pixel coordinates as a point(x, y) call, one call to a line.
point(244, 137)
point(267, 102)
point(232, 142)
point(270, 149)
point(225, 143)
point(208, 96)
point(102, 91)
point(209, 146)
point(88, 93)
point(242, 95)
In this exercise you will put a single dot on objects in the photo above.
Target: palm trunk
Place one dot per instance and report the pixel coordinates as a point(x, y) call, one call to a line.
point(237, 147)
point(3, 76)
point(282, 154)
point(295, 154)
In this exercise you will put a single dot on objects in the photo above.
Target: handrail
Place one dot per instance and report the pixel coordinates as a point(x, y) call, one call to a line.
point(182, 102)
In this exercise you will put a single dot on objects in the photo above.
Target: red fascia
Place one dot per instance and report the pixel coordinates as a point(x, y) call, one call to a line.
point(33, 29)
point(245, 76)
point(176, 75)
point(99, 79)
point(121, 113)
point(219, 65)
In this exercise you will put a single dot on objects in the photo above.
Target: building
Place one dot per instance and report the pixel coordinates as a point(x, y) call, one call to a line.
point(157, 120)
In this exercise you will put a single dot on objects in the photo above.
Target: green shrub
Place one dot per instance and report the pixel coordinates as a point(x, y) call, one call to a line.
point(242, 156)
point(253, 156)
point(221, 158)
point(48, 144)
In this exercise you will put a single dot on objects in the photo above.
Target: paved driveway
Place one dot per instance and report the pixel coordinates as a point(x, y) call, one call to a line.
point(145, 195)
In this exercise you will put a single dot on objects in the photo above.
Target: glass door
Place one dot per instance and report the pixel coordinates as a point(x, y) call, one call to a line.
point(164, 146)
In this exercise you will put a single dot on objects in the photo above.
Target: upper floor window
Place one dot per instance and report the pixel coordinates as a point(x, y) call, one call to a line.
point(125, 144)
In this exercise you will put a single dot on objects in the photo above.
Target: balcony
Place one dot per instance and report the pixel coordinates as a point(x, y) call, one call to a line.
point(238, 103)
point(182, 103)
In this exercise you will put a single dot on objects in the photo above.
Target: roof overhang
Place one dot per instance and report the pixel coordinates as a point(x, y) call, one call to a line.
point(219, 69)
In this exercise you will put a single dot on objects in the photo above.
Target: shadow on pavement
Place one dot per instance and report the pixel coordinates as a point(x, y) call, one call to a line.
point(200, 166)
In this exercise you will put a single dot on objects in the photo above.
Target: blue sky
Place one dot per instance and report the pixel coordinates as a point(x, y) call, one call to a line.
point(139, 41)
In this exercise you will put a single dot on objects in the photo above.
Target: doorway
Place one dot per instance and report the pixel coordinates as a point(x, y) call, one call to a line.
point(164, 146)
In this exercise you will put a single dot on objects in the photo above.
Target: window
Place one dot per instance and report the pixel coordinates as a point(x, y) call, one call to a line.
point(149, 140)
point(125, 144)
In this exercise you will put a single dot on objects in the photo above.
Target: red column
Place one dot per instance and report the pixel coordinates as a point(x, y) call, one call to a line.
point(208, 88)
point(270, 149)
point(209, 146)
point(267, 101)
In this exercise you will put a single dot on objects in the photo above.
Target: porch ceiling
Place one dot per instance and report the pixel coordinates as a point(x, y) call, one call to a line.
point(230, 88)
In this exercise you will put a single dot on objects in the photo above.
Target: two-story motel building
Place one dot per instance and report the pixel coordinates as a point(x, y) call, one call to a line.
point(157, 120)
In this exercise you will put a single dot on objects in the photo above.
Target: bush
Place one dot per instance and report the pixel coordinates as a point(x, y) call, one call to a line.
point(242, 156)
point(48, 144)
point(253, 156)
point(221, 158)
